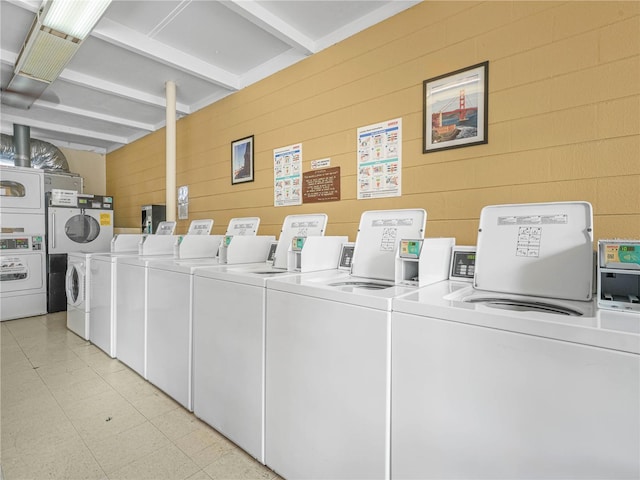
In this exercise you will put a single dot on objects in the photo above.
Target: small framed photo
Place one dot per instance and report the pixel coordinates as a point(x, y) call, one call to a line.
point(242, 160)
point(455, 109)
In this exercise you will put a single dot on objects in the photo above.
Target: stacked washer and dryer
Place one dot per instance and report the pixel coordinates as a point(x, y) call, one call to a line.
point(22, 262)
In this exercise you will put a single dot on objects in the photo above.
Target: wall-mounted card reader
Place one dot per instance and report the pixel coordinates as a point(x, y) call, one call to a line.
point(463, 263)
point(422, 262)
point(618, 276)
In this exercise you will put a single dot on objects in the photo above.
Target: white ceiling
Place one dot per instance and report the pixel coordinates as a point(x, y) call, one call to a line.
point(113, 90)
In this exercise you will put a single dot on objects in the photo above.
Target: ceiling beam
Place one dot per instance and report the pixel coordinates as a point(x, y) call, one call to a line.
point(117, 34)
point(252, 11)
point(105, 86)
point(125, 122)
point(81, 132)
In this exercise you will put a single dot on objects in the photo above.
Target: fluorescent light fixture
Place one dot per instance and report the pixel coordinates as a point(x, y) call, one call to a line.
point(73, 17)
point(55, 36)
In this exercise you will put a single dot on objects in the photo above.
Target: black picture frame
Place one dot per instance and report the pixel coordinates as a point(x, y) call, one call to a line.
point(242, 160)
point(456, 117)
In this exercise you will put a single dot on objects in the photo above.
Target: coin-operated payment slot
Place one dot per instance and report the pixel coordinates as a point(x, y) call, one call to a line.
point(423, 261)
point(618, 276)
point(295, 254)
point(314, 253)
point(223, 252)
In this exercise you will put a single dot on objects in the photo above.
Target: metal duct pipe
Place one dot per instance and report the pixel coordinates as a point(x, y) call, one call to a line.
point(171, 152)
point(22, 141)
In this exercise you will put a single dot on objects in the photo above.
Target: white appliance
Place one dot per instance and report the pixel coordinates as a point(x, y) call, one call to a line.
point(169, 313)
point(481, 392)
point(328, 355)
point(75, 223)
point(504, 382)
point(22, 275)
point(78, 288)
point(78, 222)
point(229, 340)
point(130, 288)
point(102, 293)
point(21, 200)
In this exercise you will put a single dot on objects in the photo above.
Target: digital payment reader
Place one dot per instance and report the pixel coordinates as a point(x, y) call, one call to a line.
point(423, 261)
point(310, 254)
point(619, 275)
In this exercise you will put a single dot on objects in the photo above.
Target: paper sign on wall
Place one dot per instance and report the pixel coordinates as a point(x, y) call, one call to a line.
point(380, 160)
point(287, 175)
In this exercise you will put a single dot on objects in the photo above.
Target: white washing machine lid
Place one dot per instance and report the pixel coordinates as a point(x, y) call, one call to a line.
point(537, 249)
point(186, 266)
point(339, 286)
point(247, 226)
point(445, 301)
point(256, 274)
point(379, 233)
point(297, 226)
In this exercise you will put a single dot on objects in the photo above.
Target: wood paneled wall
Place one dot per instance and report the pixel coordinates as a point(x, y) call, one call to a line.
point(564, 121)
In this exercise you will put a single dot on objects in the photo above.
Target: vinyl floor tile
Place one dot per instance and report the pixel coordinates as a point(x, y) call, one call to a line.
point(69, 411)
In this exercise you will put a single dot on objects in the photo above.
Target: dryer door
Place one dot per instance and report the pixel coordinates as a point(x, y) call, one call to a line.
point(21, 190)
point(75, 284)
point(21, 272)
point(74, 230)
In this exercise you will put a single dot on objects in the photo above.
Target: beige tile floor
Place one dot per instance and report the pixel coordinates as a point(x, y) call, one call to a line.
point(68, 411)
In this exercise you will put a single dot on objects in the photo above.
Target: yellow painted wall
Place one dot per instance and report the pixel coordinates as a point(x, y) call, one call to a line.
point(564, 121)
point(89, 165)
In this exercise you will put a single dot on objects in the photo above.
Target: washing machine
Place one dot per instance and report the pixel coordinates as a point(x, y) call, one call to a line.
point(22, 275)
point(22, 200)
point(75, 223)
point(328, 358)
point(229, 338)
point(518, 375)
point(78, 289)
point(130, 305)
point(101, 290)
point(170, 310)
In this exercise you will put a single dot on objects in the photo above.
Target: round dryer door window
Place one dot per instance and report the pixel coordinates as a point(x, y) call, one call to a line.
point(82, 228)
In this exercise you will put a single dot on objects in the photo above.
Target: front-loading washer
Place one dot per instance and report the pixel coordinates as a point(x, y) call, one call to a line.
point(22, 275)
point(229, 339)
point(328, 358)
point(170, 309)
point(77, 287)
point(102, 294)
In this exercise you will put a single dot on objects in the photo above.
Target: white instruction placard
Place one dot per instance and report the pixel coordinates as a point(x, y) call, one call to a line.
point(287, 175)
point(380, 160)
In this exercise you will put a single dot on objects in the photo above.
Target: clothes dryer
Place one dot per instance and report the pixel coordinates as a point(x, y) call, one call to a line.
point(169, 314)
point(22, 275)
point(229, 338)
point(102, 292)
point(328, 358)
point(22, 200)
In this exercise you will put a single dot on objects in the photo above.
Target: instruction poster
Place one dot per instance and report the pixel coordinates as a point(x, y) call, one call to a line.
point(380, 160)
point(287, 175)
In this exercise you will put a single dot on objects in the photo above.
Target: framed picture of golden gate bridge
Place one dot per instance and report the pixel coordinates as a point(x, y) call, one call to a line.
point(455, 109)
